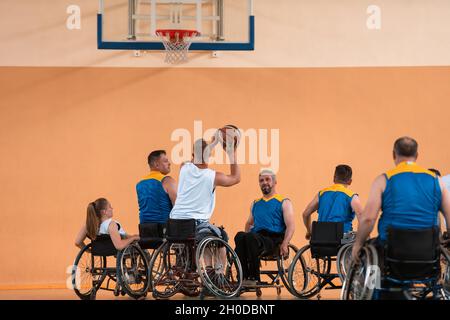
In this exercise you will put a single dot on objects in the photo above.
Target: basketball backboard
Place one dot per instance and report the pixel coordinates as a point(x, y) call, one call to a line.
point(132, 24)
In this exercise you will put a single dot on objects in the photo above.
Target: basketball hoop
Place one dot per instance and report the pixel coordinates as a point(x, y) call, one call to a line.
point(177, 43)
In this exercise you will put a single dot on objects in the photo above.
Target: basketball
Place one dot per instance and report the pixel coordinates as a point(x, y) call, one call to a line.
point(230, 136)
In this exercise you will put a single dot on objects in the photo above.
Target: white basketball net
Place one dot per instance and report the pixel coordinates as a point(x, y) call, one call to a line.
point(176, 47)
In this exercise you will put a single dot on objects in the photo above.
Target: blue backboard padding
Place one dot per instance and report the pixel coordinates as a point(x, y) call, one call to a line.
point(195, 46)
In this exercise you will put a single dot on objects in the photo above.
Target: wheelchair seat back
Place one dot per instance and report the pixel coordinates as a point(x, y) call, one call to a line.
point(326, 238)
point(412, 254)
point(151, 234)
point(181, 230)
point(103, 246)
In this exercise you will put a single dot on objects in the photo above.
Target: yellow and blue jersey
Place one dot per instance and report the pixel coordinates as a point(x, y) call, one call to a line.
point(335, 205)
point(268, 214)
point(411, 200)
point(154, 202)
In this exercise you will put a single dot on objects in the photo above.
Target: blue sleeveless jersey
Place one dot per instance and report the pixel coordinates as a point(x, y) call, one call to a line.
point(411, 200)
point(335, 205)
point(268, 214)
point(154, 202)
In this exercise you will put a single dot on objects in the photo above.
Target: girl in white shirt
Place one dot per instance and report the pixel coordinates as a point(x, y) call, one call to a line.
point(99, 221)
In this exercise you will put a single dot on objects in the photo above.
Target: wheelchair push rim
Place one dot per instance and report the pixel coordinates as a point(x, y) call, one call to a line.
point(133, 271)
point(343, 260)
point(359, 283)
point(284, 264)
point(445, 265)
point(221, 276)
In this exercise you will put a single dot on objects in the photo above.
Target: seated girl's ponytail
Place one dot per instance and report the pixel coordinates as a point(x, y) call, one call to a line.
point(93, 217)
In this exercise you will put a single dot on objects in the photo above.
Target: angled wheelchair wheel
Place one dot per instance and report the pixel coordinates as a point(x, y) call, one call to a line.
point(133, 271)
point(86, 272)
point(343, 260)
point(445, 270)
point(362, 277)
point(168, 265)
point(305, 273)
point(283, 264)
point(219, 267)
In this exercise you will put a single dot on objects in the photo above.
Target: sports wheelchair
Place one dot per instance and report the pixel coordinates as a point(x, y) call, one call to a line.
point(95, 263)
point(180, 264)
point(276, 269)
point(151, 237)
point(411, 264)
point(311, 268)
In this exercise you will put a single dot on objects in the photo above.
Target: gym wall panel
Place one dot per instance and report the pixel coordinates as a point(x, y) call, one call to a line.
point(70, 135)
point(289, 33)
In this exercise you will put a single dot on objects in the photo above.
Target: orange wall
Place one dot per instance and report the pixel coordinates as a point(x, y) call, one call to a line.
point(69, 135)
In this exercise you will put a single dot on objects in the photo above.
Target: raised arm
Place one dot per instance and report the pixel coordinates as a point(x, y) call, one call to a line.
point(312, 207)
point(233, 178)
point(289, 221)
point(170, 185)
point(370, 214)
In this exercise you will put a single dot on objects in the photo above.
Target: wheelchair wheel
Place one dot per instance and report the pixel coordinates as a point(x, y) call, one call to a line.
point(133, 271)
point(305, 272)
point(445, 270)
point(361, 277)
point(283, 264)
point(343, 260)
point(219, 267)
point(168, 265)
point(86, 272)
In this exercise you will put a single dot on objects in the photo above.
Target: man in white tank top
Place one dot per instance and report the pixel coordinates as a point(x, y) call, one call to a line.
point(196, 195)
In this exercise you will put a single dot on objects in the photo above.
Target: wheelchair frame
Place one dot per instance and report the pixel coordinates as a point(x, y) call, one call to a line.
point(438, 285)
point(318, 267)
point(177, 264)
point(274, 276)
point(122, 274)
